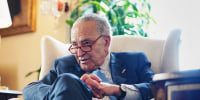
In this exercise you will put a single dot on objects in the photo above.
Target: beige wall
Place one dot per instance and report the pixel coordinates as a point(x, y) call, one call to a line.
point(20, 54)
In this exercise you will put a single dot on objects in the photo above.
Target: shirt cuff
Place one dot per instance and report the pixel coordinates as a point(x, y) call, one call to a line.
point(132, 93)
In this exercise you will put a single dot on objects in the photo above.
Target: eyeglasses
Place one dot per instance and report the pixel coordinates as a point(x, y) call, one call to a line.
point(86, 46)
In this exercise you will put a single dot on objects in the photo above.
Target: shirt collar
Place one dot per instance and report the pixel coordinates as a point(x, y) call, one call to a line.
point(105, 65)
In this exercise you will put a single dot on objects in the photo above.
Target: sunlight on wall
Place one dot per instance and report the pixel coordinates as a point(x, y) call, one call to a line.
point(184, 15)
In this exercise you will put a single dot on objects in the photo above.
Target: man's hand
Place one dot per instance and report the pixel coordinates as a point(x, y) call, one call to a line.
point(99, 88)
point(93, 82)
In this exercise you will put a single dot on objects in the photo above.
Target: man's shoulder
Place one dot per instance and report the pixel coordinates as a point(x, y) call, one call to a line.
point(127, 53)
point(129, 56)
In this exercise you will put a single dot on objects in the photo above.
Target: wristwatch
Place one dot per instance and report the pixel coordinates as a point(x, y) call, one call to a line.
point(123, 91)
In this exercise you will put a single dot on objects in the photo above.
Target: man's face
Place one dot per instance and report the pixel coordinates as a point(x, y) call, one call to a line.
point(85, 33)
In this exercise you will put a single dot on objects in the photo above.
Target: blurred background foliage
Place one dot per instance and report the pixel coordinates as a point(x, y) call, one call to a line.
point(127, 17)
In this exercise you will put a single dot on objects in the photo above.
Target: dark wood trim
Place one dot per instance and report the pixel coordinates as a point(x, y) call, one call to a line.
point(23, 22)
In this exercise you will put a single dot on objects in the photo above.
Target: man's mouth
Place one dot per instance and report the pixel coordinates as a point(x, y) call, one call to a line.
point(83, 61)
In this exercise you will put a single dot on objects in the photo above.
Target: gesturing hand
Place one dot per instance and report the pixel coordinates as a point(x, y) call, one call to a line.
point(99, 88)
point(93, 82)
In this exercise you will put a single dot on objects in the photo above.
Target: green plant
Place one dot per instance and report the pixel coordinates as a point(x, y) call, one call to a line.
point(35, 71)
point(125, 16)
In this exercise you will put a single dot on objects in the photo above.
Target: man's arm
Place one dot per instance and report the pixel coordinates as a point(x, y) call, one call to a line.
point(144, 74)
point(138, 74)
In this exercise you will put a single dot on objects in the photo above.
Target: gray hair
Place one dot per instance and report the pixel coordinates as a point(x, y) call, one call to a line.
point(102, 24)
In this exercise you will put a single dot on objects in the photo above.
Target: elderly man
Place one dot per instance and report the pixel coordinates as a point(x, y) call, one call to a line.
point(92, 72)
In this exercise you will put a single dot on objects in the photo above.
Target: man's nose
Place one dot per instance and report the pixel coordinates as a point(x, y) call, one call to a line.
point(80, 52)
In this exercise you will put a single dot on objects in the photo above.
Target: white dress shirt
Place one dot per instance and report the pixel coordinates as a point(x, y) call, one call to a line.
point(132, 92)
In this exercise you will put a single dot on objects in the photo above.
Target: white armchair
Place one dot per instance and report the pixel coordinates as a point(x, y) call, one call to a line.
point(163, 54)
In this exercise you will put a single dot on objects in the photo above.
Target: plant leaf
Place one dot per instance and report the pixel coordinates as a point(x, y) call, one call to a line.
point(70, 22)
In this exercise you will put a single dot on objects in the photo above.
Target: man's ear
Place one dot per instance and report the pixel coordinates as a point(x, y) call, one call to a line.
point(107, 41)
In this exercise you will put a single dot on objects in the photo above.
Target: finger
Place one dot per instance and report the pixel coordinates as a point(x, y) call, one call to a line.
point(101, 93)
point(92, 83)
point(89, 86)
point(97, 93)
point(94, 77)
point(84, 77)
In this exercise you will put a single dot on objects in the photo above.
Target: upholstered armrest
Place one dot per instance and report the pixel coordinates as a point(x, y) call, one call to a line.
point(170, 60)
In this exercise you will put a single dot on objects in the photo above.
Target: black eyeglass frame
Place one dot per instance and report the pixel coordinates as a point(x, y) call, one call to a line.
point(81, 47)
